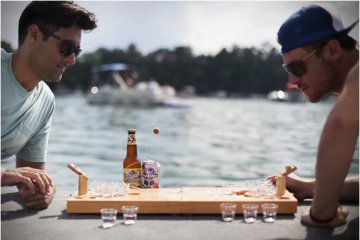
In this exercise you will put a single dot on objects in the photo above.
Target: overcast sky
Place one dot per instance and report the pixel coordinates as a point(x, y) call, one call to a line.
point(206, 27)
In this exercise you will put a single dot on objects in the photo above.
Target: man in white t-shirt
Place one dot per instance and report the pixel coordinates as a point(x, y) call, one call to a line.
point(49, 42)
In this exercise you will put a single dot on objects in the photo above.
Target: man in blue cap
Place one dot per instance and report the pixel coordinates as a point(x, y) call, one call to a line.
point(321, 59)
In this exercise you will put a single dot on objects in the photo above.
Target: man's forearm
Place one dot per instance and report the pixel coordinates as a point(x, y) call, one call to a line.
point(24, 163)
point(336, 149)
point(350, 190)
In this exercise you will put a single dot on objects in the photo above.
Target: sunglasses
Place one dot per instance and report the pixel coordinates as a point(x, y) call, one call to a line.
point(67, 47)
point(298, 68)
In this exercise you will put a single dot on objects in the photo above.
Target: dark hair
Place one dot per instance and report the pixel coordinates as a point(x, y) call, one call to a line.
point(52, 15)
point(346, 42)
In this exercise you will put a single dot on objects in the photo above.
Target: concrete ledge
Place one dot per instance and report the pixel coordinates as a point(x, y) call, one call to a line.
point(55, 223)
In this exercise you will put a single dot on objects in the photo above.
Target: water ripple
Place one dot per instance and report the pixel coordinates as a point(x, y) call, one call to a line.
point(218, 141)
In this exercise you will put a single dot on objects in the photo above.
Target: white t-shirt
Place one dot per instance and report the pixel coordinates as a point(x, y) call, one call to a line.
point(25, 116)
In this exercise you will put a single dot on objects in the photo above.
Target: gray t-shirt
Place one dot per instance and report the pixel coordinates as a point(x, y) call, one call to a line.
point(25, 116)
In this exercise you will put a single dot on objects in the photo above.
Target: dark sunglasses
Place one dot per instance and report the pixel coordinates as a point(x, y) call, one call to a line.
point(67, 47)
point(298, 68)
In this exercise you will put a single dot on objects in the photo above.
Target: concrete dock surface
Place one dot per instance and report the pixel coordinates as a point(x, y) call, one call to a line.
point(54, 223)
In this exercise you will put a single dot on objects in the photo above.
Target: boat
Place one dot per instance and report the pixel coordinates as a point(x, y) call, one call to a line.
point(277, 95)
point(117, 84)
point(294, 94)
point(291, 94)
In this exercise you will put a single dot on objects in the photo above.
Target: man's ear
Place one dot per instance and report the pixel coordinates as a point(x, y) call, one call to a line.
point(34, 34)
point(332, 50)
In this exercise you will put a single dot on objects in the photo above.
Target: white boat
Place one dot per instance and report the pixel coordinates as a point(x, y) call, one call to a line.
point(291, 94)
point(115, 84)
point(277, 95)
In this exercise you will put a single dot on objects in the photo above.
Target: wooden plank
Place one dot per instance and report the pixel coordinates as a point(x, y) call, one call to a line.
point(177, 201)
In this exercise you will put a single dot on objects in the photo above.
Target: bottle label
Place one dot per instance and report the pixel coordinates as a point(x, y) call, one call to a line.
point(131, 139)
point(133, 176)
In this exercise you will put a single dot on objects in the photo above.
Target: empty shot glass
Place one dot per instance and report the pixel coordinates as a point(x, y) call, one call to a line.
point(269, 211)
point(130, 214)
point(253, 187)
point(228, 211)
point(96, 188)
point(108, 215)
point(120, 189)
point(250, 212)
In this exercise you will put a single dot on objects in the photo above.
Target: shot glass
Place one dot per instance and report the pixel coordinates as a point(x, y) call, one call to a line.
point(96, 188)
point(269, 212)
point(108, 189)
point(108, 215)
point(252, 187)
point(228, 211)
point(269, 192)
point(250, 212)
point(120, 189)
point(130, 214)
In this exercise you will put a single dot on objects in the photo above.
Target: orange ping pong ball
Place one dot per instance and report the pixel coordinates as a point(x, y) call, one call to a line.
point(156, 130)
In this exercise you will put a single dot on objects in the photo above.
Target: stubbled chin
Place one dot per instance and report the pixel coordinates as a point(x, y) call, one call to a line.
point(61, 70)
point(59, 74)
point(55, 78)
point(313, 99)
point(58, 78)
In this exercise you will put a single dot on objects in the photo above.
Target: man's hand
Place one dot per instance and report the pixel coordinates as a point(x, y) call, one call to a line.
point(302, 188)
point(38, 200)
point(44, 189)
point(30, 177)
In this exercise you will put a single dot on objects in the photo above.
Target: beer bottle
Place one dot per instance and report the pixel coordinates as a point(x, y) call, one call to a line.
point(131, 164)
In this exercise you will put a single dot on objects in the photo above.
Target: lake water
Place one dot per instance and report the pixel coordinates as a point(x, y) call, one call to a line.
point(216, 142)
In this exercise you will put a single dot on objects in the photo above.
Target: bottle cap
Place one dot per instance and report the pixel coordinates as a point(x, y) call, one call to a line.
point(131, 130)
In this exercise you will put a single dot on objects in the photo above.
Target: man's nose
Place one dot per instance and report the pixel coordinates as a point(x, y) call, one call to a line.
point(293, 79)
point(71, 59)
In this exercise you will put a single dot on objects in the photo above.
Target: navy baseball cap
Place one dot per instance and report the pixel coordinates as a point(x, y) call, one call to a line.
point(311, 24)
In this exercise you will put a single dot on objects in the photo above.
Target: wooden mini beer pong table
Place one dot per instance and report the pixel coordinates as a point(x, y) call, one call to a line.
point(184, 200)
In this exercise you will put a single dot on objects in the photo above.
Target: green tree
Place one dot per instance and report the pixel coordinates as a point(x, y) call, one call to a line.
point(238, 71)
point(6, 46)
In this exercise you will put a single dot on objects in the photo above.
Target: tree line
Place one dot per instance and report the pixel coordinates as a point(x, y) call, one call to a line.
point(238, 71)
